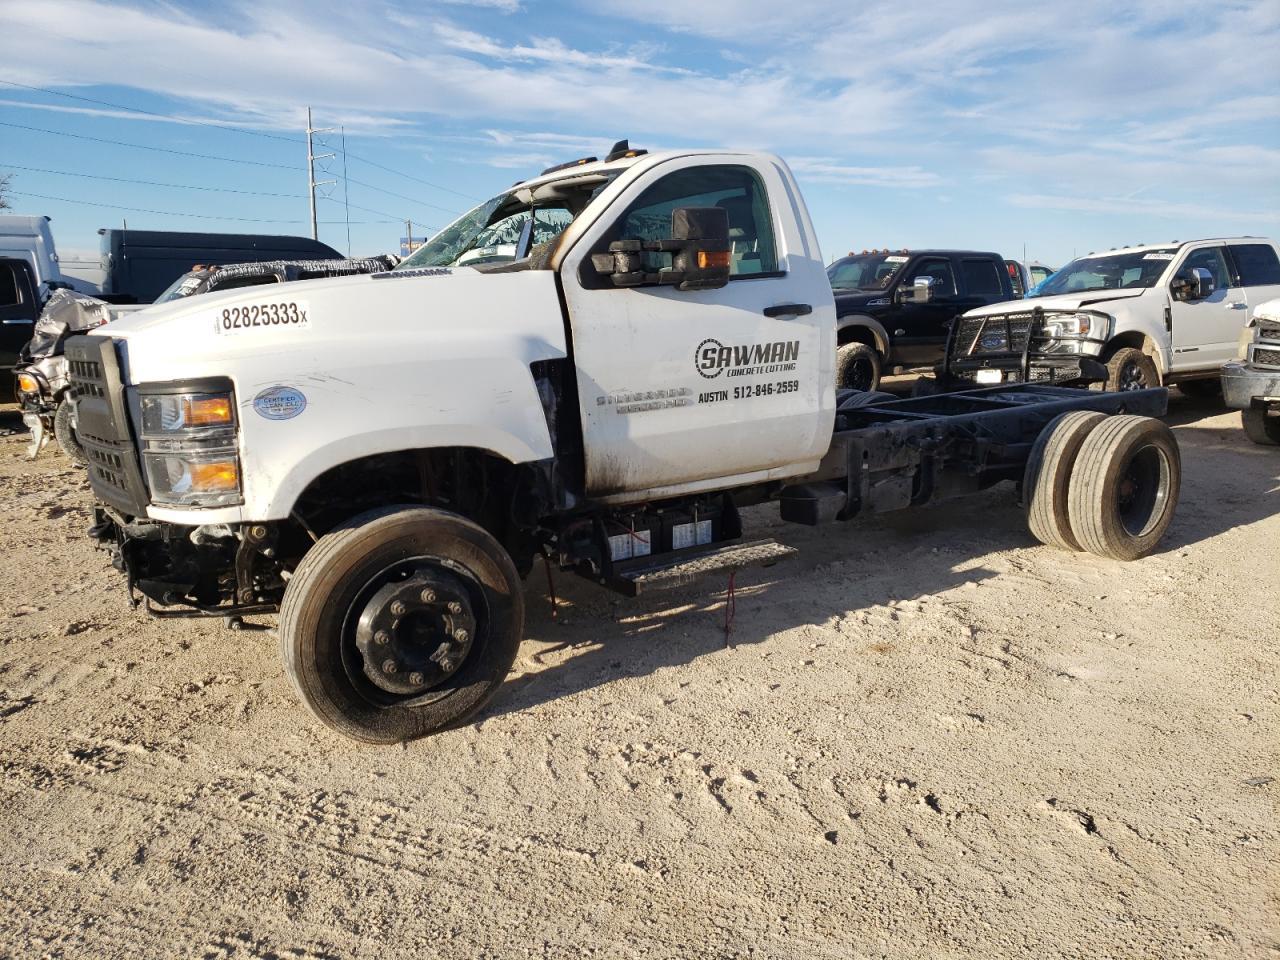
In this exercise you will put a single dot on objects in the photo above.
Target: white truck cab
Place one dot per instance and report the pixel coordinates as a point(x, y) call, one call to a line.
point(600, 365)
point(1151, 314)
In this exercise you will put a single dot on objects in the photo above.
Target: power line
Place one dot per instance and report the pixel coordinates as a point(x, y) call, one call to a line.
point(151, 183)
point(152, 113)
point(143, 146)
point(401, 196)
point(174, 213)
point(465, 196)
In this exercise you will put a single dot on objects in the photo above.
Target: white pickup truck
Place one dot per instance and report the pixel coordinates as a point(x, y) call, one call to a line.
point(381, 458)
point(1130, 318)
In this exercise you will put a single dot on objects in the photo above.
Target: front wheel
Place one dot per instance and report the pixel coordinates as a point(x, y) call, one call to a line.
point(402, 622)
point(1261, 426)
point(1131, 369)
point(857, 367)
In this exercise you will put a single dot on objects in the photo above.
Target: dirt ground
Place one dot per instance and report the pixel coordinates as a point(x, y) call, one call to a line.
point(928, 737)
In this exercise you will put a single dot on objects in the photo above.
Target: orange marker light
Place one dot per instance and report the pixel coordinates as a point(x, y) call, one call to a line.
point(27, 383)
point(707, 259)
point(206, 411)
point(220, 476)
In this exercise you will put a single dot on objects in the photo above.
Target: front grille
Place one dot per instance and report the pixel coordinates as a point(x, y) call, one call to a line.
point(1265, 357)
point(1004, 334)
point(1268, 330)
point(102, 424)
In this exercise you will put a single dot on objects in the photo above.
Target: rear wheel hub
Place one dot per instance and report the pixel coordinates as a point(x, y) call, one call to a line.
point(416, 632)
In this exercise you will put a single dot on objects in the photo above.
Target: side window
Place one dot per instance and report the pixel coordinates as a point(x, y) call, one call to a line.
point(981, 278)
point(1213, 260)
point(235, 283)
point(736, 190)
point(937, 268)
point(8, 287)
point(1258, 264)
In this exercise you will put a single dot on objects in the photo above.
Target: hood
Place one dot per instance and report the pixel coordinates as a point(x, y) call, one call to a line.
point(1270, 310)
point(847, 300)
point(1065, 301)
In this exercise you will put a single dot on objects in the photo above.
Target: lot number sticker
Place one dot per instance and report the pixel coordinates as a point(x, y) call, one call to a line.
point(262, 316)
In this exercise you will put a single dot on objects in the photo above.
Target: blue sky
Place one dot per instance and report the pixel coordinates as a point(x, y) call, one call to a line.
point(980, 124)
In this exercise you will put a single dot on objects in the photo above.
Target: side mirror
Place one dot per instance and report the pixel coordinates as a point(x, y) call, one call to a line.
point(919, 292)
point(699, 248)
point(1193, 284)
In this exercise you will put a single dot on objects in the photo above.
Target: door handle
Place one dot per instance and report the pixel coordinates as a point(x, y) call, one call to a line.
point(13, 322)
point(788, 310)
point(1236, 305)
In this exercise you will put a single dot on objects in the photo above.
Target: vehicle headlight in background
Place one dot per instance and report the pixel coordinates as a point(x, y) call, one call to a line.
point(1076, 333)
point(189, 449)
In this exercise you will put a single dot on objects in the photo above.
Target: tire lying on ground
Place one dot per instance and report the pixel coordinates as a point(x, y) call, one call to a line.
point(66, 434)
point(1124, 487)
point(402, 622)
point(1047, 477)
point(1261, 427)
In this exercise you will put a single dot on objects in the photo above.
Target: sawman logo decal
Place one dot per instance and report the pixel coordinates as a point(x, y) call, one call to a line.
point(713, 358)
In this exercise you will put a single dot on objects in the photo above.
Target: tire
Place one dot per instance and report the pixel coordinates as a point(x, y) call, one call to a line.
point(66, 434)
point(1131, 369)
point(857, 367)
point(1205, 389)
point(1124, 487)
point(342, 578)
point(1046, 480)
point(853, 399)
point(1261, 427)
point(926, 387)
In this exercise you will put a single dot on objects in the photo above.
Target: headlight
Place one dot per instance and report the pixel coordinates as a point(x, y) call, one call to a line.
point(189, 447)
point(27, 383)
point(1078, 333)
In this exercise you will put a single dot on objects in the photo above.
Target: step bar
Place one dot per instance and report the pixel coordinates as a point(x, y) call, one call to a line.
point(671, 570)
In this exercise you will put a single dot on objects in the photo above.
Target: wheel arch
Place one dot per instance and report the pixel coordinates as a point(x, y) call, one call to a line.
point(1139, 341)
point(859, 328)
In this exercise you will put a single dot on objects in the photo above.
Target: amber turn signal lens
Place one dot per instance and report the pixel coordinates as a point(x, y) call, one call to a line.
point(217, 477)
point(206, 411)
point(710, 259)
point(27, 383)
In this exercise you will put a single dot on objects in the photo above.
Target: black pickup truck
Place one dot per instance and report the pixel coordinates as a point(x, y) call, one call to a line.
point(895, 308)
point(19, 307)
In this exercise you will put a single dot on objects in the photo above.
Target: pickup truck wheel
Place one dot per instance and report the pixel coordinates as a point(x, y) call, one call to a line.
point(64, 431)
point(1261, 426)
point(857, 367)
point(400, 623)
point(1131, 369)
point(1048, 474)
point(1124, 487)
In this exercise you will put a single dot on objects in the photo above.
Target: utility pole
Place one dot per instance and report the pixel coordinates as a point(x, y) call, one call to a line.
point(408, 232)
point(312, 182)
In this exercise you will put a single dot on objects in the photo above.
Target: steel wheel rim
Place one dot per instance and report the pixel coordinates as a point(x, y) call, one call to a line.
point(858, 375)
point(354, 660)
point(1142, 492)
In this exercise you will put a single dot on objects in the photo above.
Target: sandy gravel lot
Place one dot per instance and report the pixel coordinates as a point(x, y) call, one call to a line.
point(928, 738)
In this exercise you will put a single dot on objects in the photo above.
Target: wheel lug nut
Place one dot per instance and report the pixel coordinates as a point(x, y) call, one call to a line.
point(389, 666)
point(398, 609)
point(416, 678)
point(428, 596)
point(455, 606)
point(460, 636)
point(382, 637)
point(446, 664)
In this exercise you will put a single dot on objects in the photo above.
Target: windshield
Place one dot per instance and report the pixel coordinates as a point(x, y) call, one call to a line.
point(184, 286)
point(1137, 270)
point(867, 271)
point(511, 226)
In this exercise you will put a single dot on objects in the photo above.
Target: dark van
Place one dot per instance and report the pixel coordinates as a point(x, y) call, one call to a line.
point(139, 265)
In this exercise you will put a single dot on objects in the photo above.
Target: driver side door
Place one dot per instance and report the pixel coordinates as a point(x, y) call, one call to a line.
point(682, 391)
point(1205, 332)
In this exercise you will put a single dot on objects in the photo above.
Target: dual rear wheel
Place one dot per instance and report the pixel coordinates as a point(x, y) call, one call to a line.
point(1107, 485)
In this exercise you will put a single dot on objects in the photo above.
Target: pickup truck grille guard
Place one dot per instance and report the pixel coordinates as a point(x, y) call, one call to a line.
point(1007, 342)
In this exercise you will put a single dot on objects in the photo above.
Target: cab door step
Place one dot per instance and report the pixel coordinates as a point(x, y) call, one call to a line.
point(666, 571)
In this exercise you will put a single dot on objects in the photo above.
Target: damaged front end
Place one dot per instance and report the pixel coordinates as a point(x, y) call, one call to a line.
point(210, 570)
